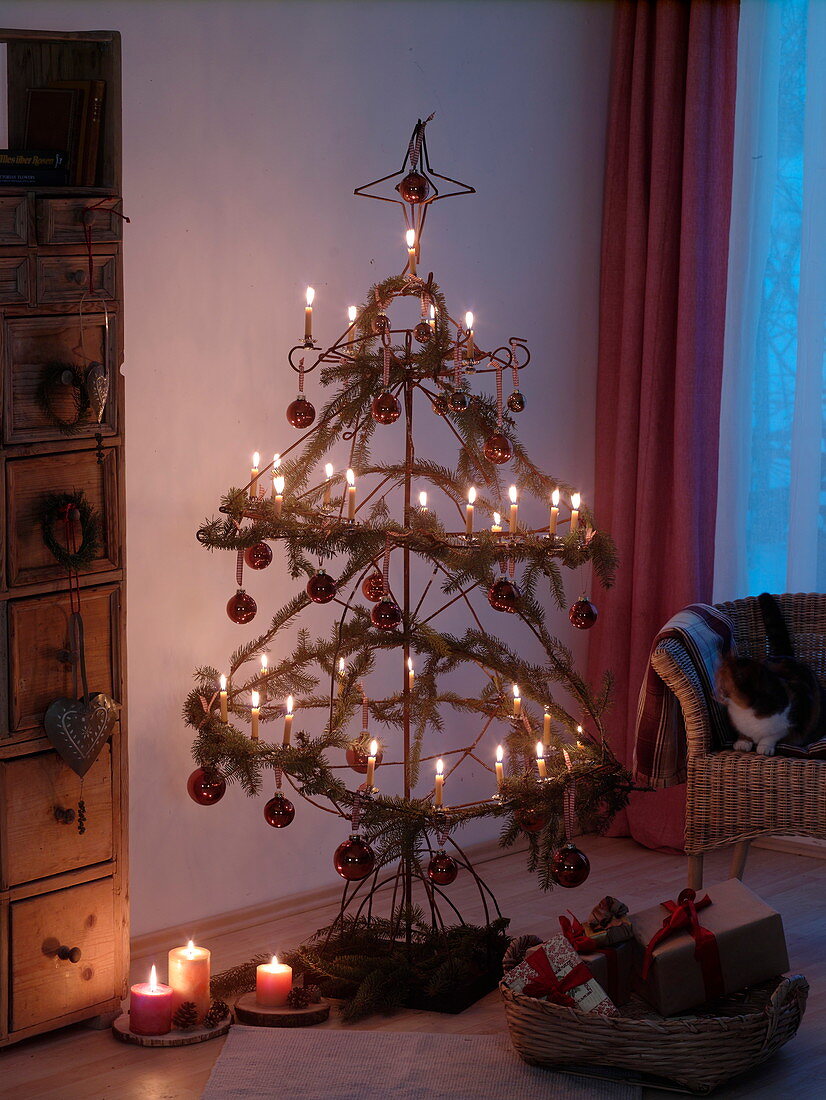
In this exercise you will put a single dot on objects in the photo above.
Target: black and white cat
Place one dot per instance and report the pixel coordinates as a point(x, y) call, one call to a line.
point(778, 698)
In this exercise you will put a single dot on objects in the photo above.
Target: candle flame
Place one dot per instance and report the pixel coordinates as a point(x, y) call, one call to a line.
point(289, 704)
point(497, 519)
point(310, 295)
point(410, 237)
point(547, 709)
point(279, 483)
point(274, 961)
point(468, 320)
point(410, 663)
point(471, 496)
point(374, 748)
point(351, 477)
point(256, 458)
point(341, 666)
point(190, 949)
point(579, 729)
point(440, 767)
point(432, 313)
point(153, 978)
point(223, 682)
point(256, 698)
point(276, 461)
point(352, 313)
point(422, 500)
point(328, 470)
point(512, 494)
point(555, 498)
point(500, 754)
point(540, 750)
point(264, 662)
point(575, 499)
point(516, 691)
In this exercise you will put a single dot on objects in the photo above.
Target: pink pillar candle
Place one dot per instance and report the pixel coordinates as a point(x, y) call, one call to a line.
point(150, 1007)
point(273, 982)
point(189, 977)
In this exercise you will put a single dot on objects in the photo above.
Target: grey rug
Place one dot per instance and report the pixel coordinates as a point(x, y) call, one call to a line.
point(266, 1063)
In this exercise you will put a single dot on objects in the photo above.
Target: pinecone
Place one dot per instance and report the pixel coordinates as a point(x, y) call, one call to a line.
point(218, 1012)
point(298, 997)
point(186, 1016)
point(314, 993)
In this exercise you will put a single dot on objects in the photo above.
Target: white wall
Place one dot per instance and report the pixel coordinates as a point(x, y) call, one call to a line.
point(247, 126)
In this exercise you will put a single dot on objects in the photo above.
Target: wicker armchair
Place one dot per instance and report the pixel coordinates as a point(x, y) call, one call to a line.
point(733, 797)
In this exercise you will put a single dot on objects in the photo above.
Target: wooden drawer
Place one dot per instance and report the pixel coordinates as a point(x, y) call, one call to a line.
point(29, 481)
point(39, 666)
point(38, 807)
point(44, 986)
point(13, 219)
point(31, 347)
point(61, 221)
point(64, 278)
point(14, 279)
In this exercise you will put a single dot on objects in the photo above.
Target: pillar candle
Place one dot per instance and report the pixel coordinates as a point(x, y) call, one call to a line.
point(189, 977)
point(471, 500)
point(150, 1007)
point(371, 763)
point(273, 982)
point(540, 760)
point(433, 317)
point(254, 713)
point(340, 677)
point(517, 701)
point(278, 490)
point(411, 251)
point(470, 350)
point(514, 508)
point(351, 495)
point(308, 314)
point(328, 488)
point(546, 728)
point(256, 458)
point(440, 782)
point(554, 512)
point(288, 721)
point(276, 462)
point(575, 498)
point(500, 767)
point(223, 699)
point(411, 675)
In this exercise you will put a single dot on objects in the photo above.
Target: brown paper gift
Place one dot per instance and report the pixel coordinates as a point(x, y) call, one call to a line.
point(746, 942)
point(614, 976)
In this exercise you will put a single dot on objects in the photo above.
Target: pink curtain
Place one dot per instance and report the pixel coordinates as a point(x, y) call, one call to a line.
point(662, 311)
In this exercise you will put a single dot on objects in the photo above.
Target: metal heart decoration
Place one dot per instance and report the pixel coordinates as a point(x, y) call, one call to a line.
point(79, 728)
point(97, 388)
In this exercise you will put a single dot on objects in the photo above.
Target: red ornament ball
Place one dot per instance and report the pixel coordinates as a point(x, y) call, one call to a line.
point(503, 595)
point(458, 401)
point(440, 404)
point(279, 811)
point(414, 188)
point(300, 413)
point(382, 323)
point(583, 614)
point(442, 868)
point(569, 866)
point(258, 556)
point(516, 402)
point(241, 607)
point(386, 408)
point(498, 449)
point(321, 587)
point(423, 332)
point(357, 754)
point(354, 859)
point(530, 821)
point(387, 614)
point(206, 787)
point(372, 587)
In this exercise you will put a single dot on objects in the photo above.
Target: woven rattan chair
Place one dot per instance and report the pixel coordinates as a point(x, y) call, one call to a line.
point(733, 797)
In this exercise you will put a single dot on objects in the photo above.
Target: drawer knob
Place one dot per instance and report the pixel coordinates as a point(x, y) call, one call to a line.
point(72, 954)
point(78, 277)
point(64, 816)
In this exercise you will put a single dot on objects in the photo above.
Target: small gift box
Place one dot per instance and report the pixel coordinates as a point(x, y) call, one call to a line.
point(611, 966)
point(554, 972)
point(609, 922)
point(695, 949)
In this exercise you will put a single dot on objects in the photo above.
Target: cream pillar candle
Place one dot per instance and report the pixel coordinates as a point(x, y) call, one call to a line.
point(254, 714)
point(308, 314)
point(500, 767)
point(440, 783)
point(340, 677)
point(371, 764)
point(575, 499)
point(540, 760)
point(471, 500)
point(517, 701)
point(150, 1007)
point(411, 675)
point(351, 495)
point(554, 512)
point(288, 721)
point(410, 237)
point(222, 697)
point(470, 350)
point(514, 508)
point(432, 320)
point(273, 982)
point(256, 459)
point(189, 977)
point(278, 490)
point(546, 729)
point(328, 487)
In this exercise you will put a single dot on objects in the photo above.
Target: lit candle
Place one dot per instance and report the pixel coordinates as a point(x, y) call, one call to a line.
point(254, 713)
point(273, 982)
point(470, 351)
point(471, 500)
point(440, 782)
point(410, 237)
point(223, 699)
point(500, 767)
point(264, 666)
point(371, 763)
point(150, 1007)
point(433, 316)
point(423, 501)
point(411, 675)
point(546, 728)
point(554, 512)
point(540, 760)
point(256, 458)
point(514, 508)
point(575, 498)
point(308, 314)
point(189, 977)
point(351, 495)
point(288, 721)
point(496, 526)
point(276, 462)
point(352, 314)
point(517, 701)
point(340, 677)
point(278, 489)
point(328, 487)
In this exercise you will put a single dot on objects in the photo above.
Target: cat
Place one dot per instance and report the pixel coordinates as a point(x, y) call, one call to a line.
point(773, 699)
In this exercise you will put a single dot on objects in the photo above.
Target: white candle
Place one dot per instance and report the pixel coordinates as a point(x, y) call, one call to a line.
point(517, 701)
point(423, 501)
point(351, 495)
point(189, 977)
point(469, 348)
point(575, 499)
point(496, 526)
point(288, 721)
point(471, 500)
point(256, 458)
point(500, 767)
point(514, 508)
point(308, 314)
point(254, 713)
point(371, 763)
point(273, 982)
point(340, 677)
point(540, 760)
point(352, 314)
point(554, 512)
point(150, 1007)
point(410, 237)
point(223, 699)
point(328, 488)
point(546, 728)
point(278, 489)
point(411, 675)
point(433, 316)
point(440, 783)
point(276, 462)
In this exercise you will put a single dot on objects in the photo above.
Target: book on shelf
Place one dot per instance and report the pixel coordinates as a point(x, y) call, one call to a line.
point(67, 116)
point(21, 167)
point(88, 125)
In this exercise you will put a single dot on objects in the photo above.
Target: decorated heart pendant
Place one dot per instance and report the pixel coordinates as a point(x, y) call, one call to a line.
point(97, 389)
point(79, 728)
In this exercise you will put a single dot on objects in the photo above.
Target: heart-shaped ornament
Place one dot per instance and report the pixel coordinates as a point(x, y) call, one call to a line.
point(79, 728)
point(97, 388)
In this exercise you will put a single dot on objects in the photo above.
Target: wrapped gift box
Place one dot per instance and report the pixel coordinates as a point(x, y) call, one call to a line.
point(613, 972)
point(555, 972)
point(738, 941)
point(609, 922)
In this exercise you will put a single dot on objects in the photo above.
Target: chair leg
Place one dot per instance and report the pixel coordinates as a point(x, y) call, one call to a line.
point(695, 872)
point(738, 858)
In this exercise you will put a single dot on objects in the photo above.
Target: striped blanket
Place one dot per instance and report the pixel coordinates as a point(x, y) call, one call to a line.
point(660, 740)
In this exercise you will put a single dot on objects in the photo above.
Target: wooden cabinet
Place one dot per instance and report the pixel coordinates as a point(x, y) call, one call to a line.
point(63, 889)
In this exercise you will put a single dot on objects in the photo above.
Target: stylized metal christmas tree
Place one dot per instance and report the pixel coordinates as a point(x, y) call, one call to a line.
point(554, 772)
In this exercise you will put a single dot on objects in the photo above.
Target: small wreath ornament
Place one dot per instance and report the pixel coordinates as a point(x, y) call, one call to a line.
point(59, 510)
point(61, 390)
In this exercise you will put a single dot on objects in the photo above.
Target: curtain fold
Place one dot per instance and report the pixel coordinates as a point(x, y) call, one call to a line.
point(662, 314)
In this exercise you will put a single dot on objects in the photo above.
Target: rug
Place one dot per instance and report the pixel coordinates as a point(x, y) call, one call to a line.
point(266, 1063)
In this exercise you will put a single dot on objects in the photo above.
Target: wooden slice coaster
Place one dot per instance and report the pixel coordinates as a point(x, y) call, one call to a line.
point(249, 1011)
point(174, 1038)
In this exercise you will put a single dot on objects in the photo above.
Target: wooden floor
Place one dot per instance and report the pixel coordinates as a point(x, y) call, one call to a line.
point(79, 1064)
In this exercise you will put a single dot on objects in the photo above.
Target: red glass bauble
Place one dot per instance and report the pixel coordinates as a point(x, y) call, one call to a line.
point(241, 607)
point(439, 404)
point(498, 449)
point(321, 587)
point(516, 402)
point(382, 323)
point(530, 821)
point(372, 587)
point(300, 413)
point(279, 811)
point(569, 866)
point(387, 614)
point(386, 408)
point(442, 869)
point(206, 787)
point(258, 556)
point(458, 401)
point(357, 754)
point(354, 859)
point(414, 188)
point(503, 595)
point(583, 614)
point(423, 332)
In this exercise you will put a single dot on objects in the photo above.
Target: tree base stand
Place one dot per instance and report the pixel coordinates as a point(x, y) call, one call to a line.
point(249, 1011)
point(175, 1038)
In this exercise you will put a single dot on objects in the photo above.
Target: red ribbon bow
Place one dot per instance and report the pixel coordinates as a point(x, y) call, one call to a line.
point(682, 915)
point(579, 939)
point(548, 983)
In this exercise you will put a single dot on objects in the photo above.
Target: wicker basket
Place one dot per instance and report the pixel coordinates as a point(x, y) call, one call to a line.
point(697, 1052)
